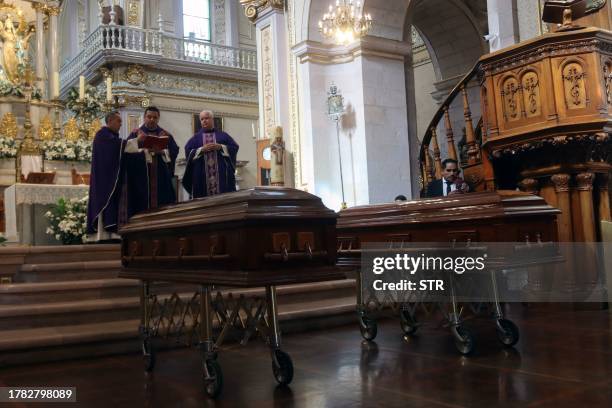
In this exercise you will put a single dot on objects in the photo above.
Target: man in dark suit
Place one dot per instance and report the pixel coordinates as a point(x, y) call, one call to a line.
point(450, 183)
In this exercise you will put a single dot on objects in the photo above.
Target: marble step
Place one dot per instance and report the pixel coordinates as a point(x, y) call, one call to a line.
point(68, 271)
point(117, 337)
point(64, 291)
point(64, 253)
point(33, 315)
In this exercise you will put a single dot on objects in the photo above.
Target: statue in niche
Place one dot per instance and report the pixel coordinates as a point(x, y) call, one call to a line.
point(15, 44)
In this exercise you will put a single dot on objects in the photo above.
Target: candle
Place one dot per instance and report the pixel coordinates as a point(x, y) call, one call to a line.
point(109, 88)
point(81, 87)
point(253, 129)
point(56, 85)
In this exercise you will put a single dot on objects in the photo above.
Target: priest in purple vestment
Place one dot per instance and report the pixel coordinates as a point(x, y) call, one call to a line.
point(211, 160)
point(105, 182)
point(147, 168)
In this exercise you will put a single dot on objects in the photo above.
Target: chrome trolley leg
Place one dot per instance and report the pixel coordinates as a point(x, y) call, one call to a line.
point(367, 325)
point(148, 352)
point(282, 366)
point(464, 340)
point(213, 376)
point(507, 331)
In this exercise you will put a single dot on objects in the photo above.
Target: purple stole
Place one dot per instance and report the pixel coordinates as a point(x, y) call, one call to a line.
point(211, 167)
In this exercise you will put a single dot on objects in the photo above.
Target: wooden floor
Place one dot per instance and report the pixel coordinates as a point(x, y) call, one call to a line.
point(562, 360)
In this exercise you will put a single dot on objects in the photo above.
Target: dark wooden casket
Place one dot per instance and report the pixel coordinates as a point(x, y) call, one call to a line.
point(265, 236)
point(462, 221)
point(257, 237)
point(501, 216)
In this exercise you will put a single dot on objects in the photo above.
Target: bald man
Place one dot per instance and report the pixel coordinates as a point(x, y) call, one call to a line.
point(211, 160)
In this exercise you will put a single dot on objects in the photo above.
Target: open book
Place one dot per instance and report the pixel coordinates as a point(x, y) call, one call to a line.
point(156, 143)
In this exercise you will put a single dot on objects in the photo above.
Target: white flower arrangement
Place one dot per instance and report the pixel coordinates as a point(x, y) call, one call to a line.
point(8, 147)
point(67, 150)
point(68, 220)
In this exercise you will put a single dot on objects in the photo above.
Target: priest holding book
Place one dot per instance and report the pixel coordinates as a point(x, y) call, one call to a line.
point(211, 160)
point(150, 158)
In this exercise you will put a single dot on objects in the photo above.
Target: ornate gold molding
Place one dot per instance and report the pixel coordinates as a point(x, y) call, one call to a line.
point(252, 8)
point(71, 129)
point(45, 129)
point(8, 126)
point(267, 64)
point(40, 7)
point(52, 10)
point(135, 75)
point(133, 13)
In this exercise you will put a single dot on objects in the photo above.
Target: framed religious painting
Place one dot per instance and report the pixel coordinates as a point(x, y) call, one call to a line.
point(197, 125)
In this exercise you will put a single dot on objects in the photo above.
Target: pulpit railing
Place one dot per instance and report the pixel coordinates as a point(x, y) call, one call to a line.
point(429, 157)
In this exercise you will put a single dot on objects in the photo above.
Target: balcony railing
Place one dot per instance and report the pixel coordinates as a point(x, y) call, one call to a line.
point(155, 43)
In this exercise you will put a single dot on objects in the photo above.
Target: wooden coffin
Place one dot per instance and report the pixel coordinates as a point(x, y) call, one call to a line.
point(501, 216)
point(257, 237)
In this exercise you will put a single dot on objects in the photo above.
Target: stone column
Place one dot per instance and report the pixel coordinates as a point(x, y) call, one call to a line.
point(40, 48)
point(272, 55)
point(503, 26)
point(232, 21)
point(53, 11)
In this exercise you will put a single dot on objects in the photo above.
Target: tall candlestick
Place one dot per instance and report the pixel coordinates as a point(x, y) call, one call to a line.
point(81, 87)
point(109, 88)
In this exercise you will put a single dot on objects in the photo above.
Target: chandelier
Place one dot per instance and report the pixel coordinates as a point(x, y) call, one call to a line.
point(345, 23)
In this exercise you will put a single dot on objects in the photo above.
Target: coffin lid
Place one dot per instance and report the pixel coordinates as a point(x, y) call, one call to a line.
point(259, 203)
point(464, 207)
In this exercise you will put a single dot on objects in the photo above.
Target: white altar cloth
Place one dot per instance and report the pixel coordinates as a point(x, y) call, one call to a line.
point(25, 206)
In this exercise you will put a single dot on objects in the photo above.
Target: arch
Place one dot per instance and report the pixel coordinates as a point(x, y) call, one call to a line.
point(450, 32)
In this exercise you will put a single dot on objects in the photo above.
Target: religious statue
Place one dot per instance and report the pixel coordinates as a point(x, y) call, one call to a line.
point(15, 42)
point(277, 170)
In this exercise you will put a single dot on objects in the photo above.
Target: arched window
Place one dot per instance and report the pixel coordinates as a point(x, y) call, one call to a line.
point(196, 19)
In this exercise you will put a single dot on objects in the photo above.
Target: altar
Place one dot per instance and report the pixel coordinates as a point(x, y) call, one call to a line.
point(25, 208)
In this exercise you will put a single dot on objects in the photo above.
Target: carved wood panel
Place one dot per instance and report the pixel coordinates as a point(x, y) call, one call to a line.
point(530, 84)
point(574, 85)
point(511, 99)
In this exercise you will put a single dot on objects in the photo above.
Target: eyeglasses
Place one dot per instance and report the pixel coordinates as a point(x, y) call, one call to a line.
point(452, 170)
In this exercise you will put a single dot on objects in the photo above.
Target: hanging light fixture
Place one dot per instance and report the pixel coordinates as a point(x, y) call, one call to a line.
point(345, 23)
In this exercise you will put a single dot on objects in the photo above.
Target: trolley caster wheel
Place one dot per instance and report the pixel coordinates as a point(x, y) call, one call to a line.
point(464, 341)
point(282, 367)
point(213, 378)
point(408, 323)
point(148, 354)
point(368, 328)
point(507, 332)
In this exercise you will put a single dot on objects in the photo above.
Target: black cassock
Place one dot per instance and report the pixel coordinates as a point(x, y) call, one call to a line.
point(142, 175)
